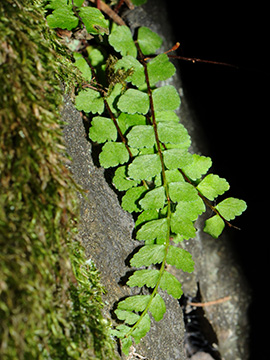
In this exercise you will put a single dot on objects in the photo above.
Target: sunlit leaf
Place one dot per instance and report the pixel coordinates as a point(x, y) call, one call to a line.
point(176, 158)
point(94, 20)
point(153, 230)
point(121, 181)
point(198, 167)
point(175, 133)
point(180, 258)
point(134, 101)
point(154, 199)
point(102, 129)
point(160, 68)
point(148, 255)
point(134, 303)
point(145, 167)
point(113, 154)
point(166, 98)
point(82, 65)
point(89, 100)
point(128, 316)
point(147, 277)
point(142, 329)
point(141, 136)
point(212, 186)
point(157, 307)
point(169, 283)
point(148, 40)
point(214, 226)
point(131, 198)
point(231, 207)
point(121, 40)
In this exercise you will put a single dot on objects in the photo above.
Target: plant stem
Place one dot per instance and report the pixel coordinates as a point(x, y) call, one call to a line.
point(166, 187)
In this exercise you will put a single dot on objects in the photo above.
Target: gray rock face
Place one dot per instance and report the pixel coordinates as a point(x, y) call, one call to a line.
point(106, 232)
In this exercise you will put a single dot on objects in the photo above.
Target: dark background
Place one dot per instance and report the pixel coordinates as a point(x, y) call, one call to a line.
point(232, 106)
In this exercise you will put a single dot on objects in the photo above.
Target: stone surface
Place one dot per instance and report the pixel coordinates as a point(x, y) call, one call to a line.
point(106, 232)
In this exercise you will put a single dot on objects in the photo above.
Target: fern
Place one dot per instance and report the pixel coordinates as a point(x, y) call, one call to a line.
point(162, 181)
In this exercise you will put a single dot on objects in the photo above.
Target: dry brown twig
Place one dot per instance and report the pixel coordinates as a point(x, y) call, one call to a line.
point(108, 11)
point(209, 303)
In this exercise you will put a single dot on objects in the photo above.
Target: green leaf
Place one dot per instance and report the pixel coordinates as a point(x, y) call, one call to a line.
point(138, 2)
point(102, 130)
point(160, 69)
point(198, 167)
point(175, 133)
point(134, 101)
point(173, 176)
point(121, 181)
point(95, 56)
point(94, 20)
point(212, 186)
point(126, 121)
point(148, 255)
point(113, 154)
point(153, 199)
point(169, 283)
point(214, 226)
point(148, 40)
point(78, 3)
point(190, 209)
point(231, 207)
point(166, 98)
point(131, 197)
point(128, 316)
point(55, 4)
point(134, 303)
point(142, 329)
point(182, 191)
point(145, 167)
point(147, 277)
point(176, 158)
point(183, 226)
point(141, 136)
point(126, 343)
point(146, 216)
point(170, 115)
point(180, 258)
point(63, 18)
point(120, 331)
point(157, 307)
point(155, 229)
point(122, 41)
point(112, 99)
point(82, 65)
point(88, 101)
point(137, 78)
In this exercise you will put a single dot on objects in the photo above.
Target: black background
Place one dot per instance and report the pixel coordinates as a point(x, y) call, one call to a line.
point(232, 106)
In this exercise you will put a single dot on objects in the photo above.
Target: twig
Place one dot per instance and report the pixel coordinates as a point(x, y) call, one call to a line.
point(108, 11)
point(120, 3)
point(209, 303)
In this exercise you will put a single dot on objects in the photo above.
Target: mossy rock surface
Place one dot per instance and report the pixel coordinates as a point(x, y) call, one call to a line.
point(50, 297)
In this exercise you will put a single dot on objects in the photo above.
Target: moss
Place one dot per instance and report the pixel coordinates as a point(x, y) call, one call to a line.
point(50, 297)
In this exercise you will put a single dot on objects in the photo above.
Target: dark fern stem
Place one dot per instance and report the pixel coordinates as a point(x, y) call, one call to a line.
point(199, 336)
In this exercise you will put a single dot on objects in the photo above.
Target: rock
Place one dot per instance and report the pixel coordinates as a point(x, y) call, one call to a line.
point(201, 356)
point(106, 232)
